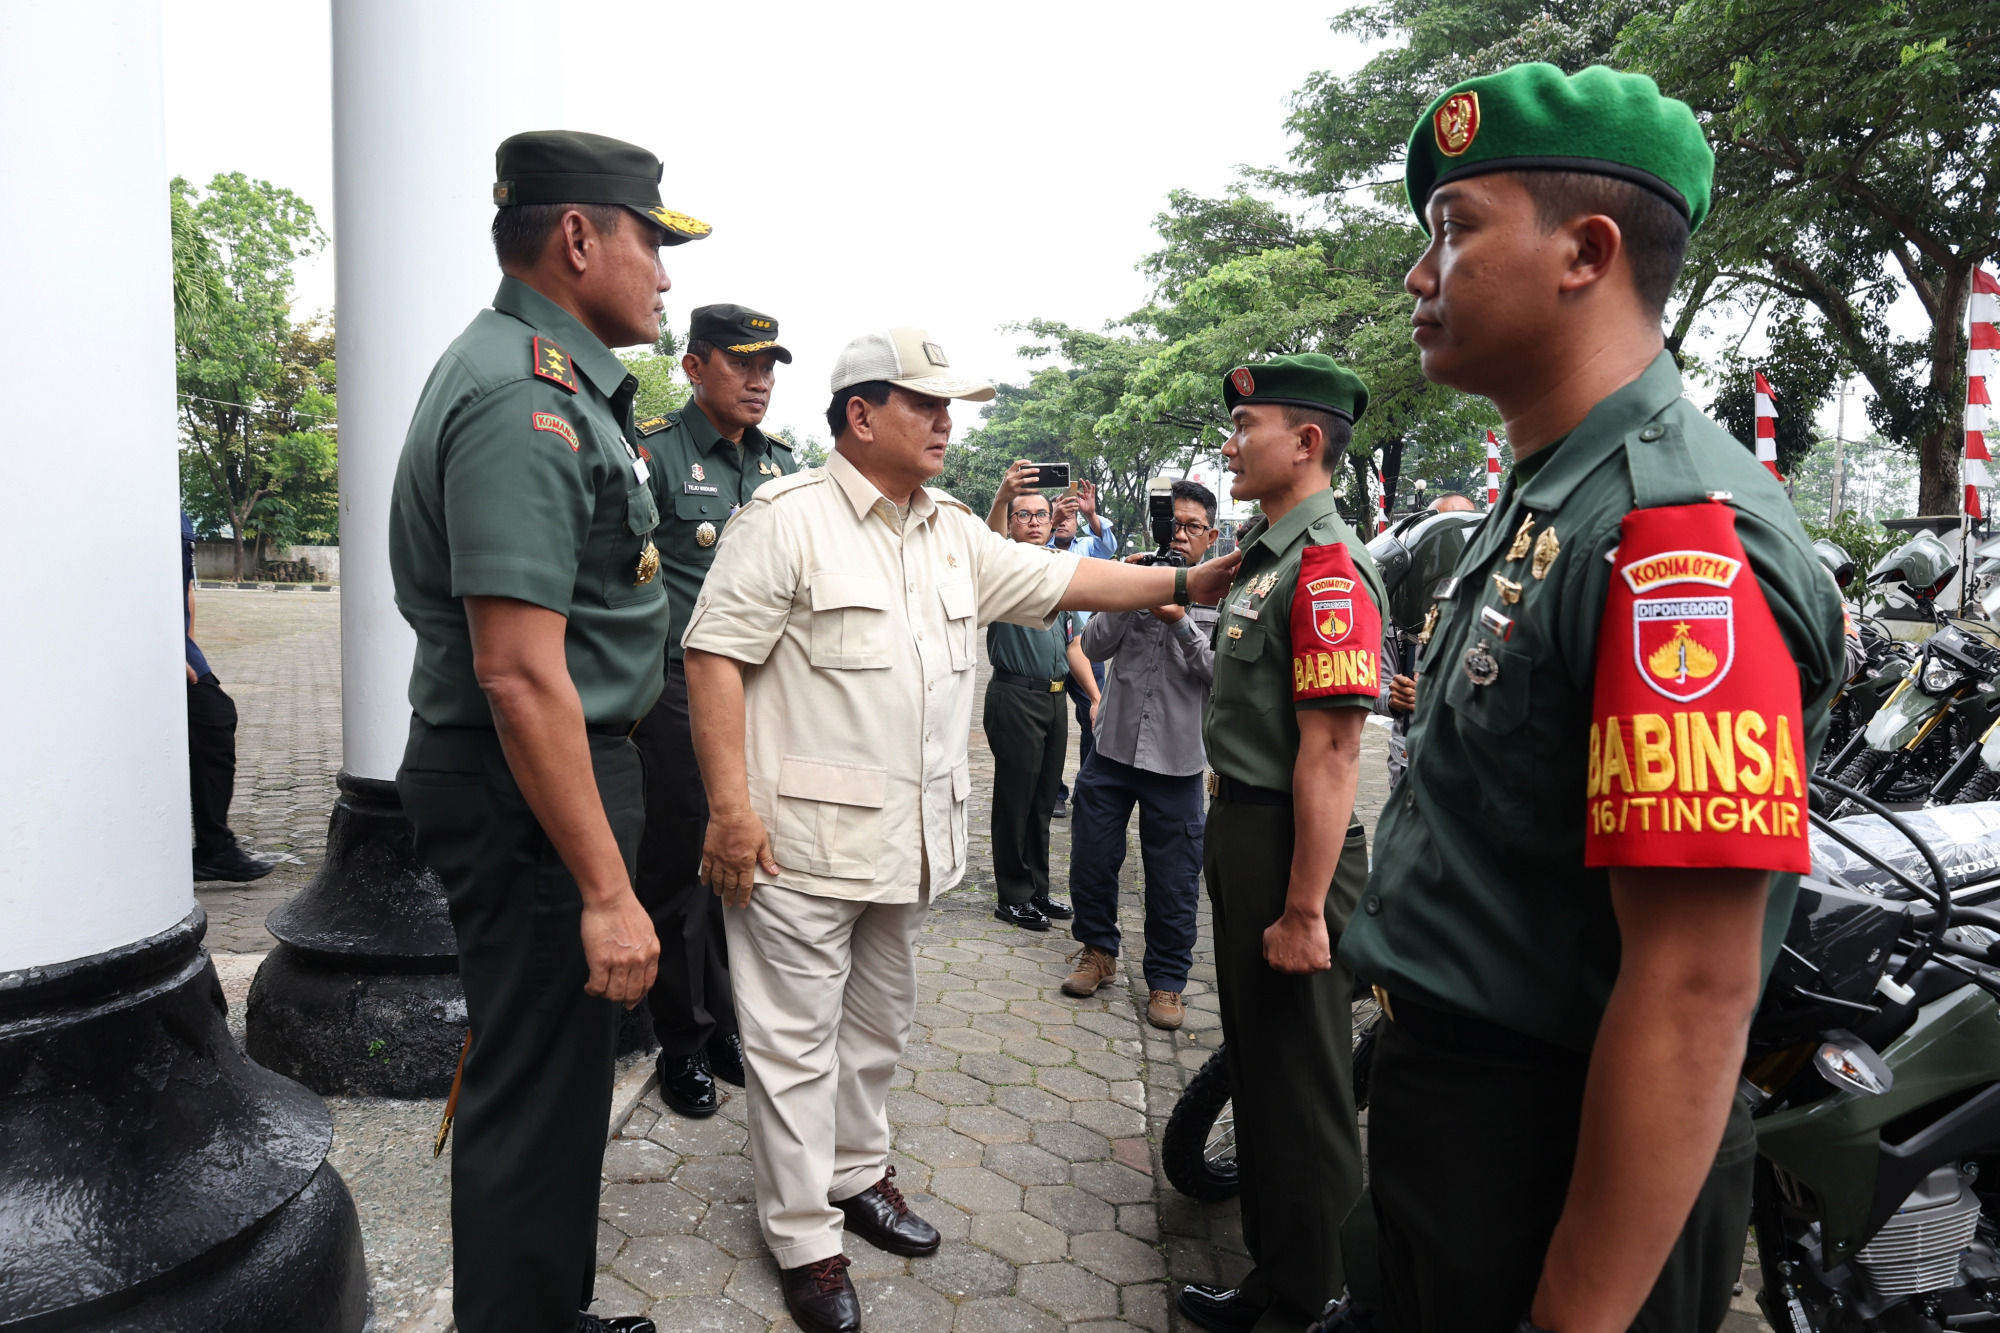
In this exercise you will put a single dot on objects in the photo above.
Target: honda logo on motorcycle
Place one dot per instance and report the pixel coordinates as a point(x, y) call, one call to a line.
point(1684, 646)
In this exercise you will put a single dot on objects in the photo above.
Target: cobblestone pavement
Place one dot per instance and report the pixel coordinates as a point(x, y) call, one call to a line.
point(1026, 1123)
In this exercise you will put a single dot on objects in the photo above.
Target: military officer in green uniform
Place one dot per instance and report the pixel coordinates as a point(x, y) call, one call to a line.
point(1297, 670)
point(1583, 876)
point(708, 458)
point(521, 539)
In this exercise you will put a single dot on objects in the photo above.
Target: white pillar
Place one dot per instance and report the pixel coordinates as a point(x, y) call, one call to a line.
point(422, 95)
point(94, 842)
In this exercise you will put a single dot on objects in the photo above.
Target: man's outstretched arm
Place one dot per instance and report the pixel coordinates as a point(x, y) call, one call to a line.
point(1111, 585)
point(1662, 1074)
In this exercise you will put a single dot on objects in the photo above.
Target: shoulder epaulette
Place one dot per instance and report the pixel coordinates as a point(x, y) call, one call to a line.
point(652, 425)
point(791, 481)
point(947, 498)
point(552, 364)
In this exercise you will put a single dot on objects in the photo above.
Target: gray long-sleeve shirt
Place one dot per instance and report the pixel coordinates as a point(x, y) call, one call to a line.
point(1155, 689)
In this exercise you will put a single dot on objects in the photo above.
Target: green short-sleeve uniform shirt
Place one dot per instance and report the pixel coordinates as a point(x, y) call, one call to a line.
point(700, 479)
point(1251, 728)
point(519, 479)
point(1479, 902)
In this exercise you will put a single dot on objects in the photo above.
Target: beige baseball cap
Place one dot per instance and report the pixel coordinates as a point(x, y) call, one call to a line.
point(908, 359)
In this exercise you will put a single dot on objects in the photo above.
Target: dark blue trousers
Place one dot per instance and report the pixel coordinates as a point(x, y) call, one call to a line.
point(1170, 827)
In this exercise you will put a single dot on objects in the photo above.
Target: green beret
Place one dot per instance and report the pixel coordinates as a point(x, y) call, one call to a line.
point(1305, 380)
point(1536, 118)
point(571, 167)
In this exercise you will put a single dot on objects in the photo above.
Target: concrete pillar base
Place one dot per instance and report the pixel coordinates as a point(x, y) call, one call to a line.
point(198, 1178)
point(362, 997)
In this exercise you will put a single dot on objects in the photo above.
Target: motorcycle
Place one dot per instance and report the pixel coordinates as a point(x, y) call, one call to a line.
point(1873, 1077)
point(1923, 725)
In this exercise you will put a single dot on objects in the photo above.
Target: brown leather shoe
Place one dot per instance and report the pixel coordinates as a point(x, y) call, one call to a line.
point(821, 1296)
point(1165, 1010)
point(1094, 967)
point(882, 1217)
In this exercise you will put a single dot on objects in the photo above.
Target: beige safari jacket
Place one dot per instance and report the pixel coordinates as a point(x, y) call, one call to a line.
point(861, 641)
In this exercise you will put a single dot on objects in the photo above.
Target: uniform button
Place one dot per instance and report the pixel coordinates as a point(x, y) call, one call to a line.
point(1410, 800)
point(1652, 433)
point(1373, 906)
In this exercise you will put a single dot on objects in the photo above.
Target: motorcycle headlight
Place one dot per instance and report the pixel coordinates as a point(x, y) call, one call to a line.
point(1939, 676)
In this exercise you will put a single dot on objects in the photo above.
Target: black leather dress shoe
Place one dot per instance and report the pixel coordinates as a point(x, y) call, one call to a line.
point(686, 1085)
point(725, 1059)
point(881, 1216)
point(1050, 908)
point(587, 1322)
point(1025, 915)
point(821, 1296)
point(231, 865)
point(1218, 1309)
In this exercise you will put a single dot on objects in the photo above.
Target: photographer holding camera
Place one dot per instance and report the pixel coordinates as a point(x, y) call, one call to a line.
point(1149, 753)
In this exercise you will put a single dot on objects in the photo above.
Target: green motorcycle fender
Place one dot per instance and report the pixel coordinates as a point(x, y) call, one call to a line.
point(1869, 694)
point(1834, 1144)
point(1899, 720)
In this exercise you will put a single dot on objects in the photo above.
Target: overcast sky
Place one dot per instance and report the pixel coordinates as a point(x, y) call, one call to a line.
point(866, 164)
point(955, 166)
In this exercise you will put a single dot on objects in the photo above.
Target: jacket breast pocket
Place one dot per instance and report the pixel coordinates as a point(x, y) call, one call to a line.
point(828, 819)
point(1246, 649)
point(961, 623)
point(1500, 708)
point(642, 514)
point(851, 623)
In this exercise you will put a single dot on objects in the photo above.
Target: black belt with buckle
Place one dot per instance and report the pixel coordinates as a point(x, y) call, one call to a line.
point(1224, 788)
point(1035, 683)
point(611, 728)
point(1473, 1036)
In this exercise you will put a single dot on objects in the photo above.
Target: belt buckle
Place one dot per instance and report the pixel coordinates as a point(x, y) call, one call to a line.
point(1055, 687)
point(1214, 783)
point(1382, 998)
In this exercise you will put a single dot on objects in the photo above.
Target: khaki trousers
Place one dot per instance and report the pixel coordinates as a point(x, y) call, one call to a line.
point(825, 993)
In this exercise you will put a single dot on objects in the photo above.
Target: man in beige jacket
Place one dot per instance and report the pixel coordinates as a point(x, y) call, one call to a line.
point(830, 677)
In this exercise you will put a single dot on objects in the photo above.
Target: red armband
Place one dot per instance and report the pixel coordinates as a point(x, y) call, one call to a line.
point(1696, 742)
point(1336, 629)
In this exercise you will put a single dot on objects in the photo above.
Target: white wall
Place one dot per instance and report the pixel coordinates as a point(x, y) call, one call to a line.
point(94, 842)
point(422, 95)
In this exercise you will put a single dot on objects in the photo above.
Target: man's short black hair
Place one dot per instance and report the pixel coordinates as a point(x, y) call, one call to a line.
point(521, 232)
point(700, 349)
point(1200, 494)
point(1656, 235)
point(871, 391)
point(1337, 430)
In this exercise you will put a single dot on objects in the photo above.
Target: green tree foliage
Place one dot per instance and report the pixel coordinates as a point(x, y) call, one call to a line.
point(258, 454)
point(662, 386)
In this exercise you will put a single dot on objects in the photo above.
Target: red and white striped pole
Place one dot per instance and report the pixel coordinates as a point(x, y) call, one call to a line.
point(1767, 424)
point(1492, 470)
point(1380, 490)
point(1983, 320)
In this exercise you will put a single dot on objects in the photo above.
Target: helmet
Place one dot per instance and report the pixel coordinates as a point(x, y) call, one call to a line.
point(1923, 564)
point(1838, 562)
point(1413, 560)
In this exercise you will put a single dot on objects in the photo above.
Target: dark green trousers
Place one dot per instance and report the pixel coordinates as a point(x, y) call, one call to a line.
point(1469, 1158)
point(528, 1145)
point(1290, 1058)
point(1028, 732)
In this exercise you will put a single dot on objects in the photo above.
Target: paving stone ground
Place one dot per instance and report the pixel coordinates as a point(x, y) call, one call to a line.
point(1026, 1123)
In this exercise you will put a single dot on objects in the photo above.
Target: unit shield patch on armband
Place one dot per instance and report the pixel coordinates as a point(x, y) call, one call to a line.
point(1336, 628)
point(1693, 762)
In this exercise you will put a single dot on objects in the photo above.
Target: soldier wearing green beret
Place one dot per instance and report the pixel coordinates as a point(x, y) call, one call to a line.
point(1297, 670)
point(521, 539)
point(708, 458)
point(1583, 876)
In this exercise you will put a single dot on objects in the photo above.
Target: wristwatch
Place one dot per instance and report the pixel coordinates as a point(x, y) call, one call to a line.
point(1180, 585)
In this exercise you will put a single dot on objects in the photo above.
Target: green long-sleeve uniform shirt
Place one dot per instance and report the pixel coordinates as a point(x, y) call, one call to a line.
point(1479, 902)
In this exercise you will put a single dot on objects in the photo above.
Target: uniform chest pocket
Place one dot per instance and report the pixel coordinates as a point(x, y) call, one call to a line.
point(1500, 708)
point(1245, 649)
point(642, 514)
point(850, 622)
point(961, 624)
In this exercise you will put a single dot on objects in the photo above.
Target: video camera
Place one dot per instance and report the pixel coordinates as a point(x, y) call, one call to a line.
point(1160, 515)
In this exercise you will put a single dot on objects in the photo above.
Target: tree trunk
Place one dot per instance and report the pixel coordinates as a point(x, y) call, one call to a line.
point(1939, 490)
point(236, 540)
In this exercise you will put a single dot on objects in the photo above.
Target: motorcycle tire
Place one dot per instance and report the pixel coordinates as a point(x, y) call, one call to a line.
point(1861, 769)
point(1981, 786)
point(1198, 1149)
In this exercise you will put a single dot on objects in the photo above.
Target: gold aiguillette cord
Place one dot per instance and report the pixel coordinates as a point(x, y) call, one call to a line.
point(451, 1103)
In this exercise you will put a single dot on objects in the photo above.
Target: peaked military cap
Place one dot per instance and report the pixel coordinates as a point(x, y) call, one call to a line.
point(1305, 380)
point(571, 167)
point(1535, 118)
point(738, 329)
